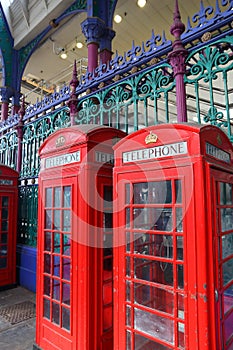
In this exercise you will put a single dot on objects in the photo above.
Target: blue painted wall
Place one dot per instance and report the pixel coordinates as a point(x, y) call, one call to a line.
point(26, 266)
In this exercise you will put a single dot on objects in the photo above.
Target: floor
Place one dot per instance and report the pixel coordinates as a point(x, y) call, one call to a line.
point(17, 319)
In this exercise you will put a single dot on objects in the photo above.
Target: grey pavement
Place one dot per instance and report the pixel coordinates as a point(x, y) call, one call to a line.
point(17, 319)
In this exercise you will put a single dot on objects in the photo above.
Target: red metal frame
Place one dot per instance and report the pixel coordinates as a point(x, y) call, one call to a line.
point(143, 157)
point(8, 225)
point(76, 158)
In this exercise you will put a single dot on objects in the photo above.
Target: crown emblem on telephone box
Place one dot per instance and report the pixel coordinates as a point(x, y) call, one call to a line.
point(151, 138)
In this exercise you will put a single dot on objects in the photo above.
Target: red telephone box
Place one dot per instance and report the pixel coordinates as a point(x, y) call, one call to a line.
point(8, 225)
point(173, 239)
point(74, 276)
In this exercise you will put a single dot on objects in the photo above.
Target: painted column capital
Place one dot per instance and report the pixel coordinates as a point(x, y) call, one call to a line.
point(93, 28)
point(6, 93)
point(177, 60)
point(106, 39)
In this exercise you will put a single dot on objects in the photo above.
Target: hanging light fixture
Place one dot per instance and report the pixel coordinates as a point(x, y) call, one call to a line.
point(79, 44)
point(141, 3)
point(63, 54)
point(117, 18)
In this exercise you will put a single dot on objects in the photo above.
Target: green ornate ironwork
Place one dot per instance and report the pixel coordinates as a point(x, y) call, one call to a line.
point(27, 217)
point(34, 135)
point(9, 149)
point(132, 103)
point(209, 83)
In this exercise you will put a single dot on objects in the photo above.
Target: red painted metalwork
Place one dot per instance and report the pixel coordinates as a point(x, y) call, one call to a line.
point(8, 224)
point(173, 239)
point(74, 275)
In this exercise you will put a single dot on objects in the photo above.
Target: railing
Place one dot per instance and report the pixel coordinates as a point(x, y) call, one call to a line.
point(132, 92)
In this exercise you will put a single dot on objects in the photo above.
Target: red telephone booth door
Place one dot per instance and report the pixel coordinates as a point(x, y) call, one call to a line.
point(7, 240)
point(222, 188)
point(153, 273)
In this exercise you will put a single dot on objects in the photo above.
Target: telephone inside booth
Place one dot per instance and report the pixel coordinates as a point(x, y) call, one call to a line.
point(173, 252)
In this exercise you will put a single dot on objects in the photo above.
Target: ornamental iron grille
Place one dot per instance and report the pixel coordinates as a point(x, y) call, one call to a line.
point(135, 90)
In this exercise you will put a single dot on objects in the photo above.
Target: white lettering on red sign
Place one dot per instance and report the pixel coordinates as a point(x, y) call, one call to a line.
point(218, 153)
point(162, 151)
point(62, 159)
point(6, 182)
point(101, 157)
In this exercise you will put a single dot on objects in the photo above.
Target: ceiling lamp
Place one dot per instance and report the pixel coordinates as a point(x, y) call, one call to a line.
point(117, 18)
point(63, 54)
point(141, 3)
point(79, 45)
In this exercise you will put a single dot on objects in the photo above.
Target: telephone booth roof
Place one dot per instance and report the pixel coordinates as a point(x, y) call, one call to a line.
point(189, 139)
point(69, 137)
point(6, 171)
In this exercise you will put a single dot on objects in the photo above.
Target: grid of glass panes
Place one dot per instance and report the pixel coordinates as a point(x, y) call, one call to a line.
point(154, 265)
point(107, 261)
point(57, 256)
point(225, 258)
point(4, 213)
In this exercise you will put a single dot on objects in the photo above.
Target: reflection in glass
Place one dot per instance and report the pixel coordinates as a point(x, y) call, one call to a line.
point(66, 318)
point(228, 299)
point(181, 334)
point(48, 197)
point(179, 248)
point(48, 219)
point(66, 244)
point(227, 270)
point(226, 194)
point(66, 220)
point(128, 284)
point(4, 214)
point(128, 266)
point(57, 244)
point(48, 241)
point(3, 263)
point(153, 218)
point(4, 225)
point(46, 312)
point(179, 220)
point(3, 250)
point(227, 245)
point(57, 223)
point(227, 219)
point(127, 193)
point(55, 313)
point(107, 196)
point(148, 270)
point(128, 315)
point(66, 293)
point(153, 192)
point(108, 221)
point(66, 269)
point(154, 325)
point(4, 237)
point(47, 263)
point(128, 340)
point(127, 217)
point(128, 242)
point(178, 189)
point(57, 197)
point(228, 327)
point(154, 298)
point(56, 265)
point(56, 290)
point(67, 196)
point(5, 201)
point(46, 285)
point(180, 276)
